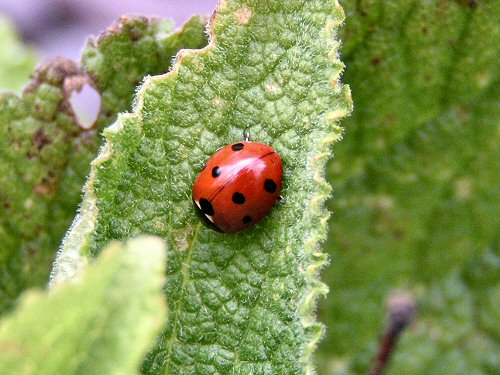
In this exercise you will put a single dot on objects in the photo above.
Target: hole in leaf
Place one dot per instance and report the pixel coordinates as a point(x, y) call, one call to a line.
point(86, 104)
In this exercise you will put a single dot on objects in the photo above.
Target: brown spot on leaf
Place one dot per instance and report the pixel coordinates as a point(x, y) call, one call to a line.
point(360, 9)
point(122, 24)
point(13, 348)
point(32, 252)
point(271, 87)
point(74, 83)
point(243, 15)
point(390, 119)
point(463, 113)
point(376, 61)
point(398, 234)
point(44, 188)
point(40, 139)
point(135, 34)
point(54, 72)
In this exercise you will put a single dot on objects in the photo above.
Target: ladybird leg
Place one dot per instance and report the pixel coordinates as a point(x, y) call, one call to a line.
point(246, 134)
point(281, 200)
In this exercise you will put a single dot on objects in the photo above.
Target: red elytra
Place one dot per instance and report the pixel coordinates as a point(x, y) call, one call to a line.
point(238, 187)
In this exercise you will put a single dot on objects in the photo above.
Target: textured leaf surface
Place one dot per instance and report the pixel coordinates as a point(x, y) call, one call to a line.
point(16, 60)
point(79, 329)
point(239, 303)
point(45, 154)
point(416, 187)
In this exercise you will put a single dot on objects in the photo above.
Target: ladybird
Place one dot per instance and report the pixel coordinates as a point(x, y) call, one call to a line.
point(239, 186)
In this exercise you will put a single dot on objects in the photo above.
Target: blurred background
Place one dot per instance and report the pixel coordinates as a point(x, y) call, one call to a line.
point(60, 27)
point(415, 179)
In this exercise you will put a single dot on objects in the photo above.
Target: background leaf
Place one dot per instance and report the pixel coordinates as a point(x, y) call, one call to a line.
point(239, 303)
point(416, 187)
point(101, 326)
point(16, 60)
point(45, 154)
point(42, 157)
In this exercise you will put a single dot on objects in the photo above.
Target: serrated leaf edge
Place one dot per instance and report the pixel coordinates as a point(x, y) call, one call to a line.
point(317, 208)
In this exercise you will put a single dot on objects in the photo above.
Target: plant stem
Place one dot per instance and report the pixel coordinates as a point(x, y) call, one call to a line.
point(402, 311)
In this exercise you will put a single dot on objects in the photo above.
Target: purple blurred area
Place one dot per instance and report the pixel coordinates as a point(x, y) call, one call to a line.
point(60, 27)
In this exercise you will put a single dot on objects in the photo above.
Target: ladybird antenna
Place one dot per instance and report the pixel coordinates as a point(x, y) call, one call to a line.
point(246, 134)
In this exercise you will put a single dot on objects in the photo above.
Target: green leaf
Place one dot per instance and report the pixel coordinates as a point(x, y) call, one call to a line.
point(16, 60)
point(102, 325)
point(132, 48)
point(45, 154)
point(416, 186)
point(41, 146)
point(240, 303)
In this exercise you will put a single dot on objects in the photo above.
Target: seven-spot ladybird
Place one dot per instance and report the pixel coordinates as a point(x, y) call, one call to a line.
point(238, 186)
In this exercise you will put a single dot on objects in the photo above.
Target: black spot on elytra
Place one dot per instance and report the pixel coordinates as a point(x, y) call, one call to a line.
point(205, 219)
point(216, 171)
point(238, 198)
point(206, 207)
point(247, 219)
point(270, 186)
point(237, 146)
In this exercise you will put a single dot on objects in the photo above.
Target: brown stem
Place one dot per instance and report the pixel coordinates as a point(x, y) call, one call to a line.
point(402, 311)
